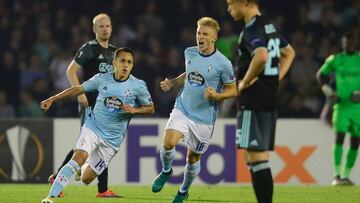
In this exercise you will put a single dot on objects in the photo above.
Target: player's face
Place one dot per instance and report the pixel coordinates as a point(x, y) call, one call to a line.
point(123, 64)
point(103, 29)
point(348, 44)
point(235, 8)
point(205, 39)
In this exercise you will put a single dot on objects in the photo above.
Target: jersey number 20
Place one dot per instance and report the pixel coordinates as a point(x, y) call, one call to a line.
point(271, 66)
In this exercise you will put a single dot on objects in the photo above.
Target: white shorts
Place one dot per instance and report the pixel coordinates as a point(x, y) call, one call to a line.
point(100, 153)
point(196, 135)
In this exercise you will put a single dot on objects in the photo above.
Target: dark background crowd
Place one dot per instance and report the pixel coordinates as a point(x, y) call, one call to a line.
point(39, 39)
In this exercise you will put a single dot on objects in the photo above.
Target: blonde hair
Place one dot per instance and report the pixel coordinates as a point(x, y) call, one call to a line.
point(100, 16)
point(210, 22)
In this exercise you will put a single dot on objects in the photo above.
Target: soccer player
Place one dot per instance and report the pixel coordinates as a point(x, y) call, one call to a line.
point(93, 57)
point(346, 99)
point(264, 59)
point(208, 78)
point(120, 95)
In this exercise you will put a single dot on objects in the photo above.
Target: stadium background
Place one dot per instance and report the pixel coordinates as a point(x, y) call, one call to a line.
point(39, 39)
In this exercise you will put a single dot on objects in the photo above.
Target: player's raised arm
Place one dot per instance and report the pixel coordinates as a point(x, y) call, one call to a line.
point(167, 84)
point(287, 55)
point(69, 92)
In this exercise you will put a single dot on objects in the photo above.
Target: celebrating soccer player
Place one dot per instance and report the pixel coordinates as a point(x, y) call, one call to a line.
point(120, 95)
point(208, 78)
point(264, 59)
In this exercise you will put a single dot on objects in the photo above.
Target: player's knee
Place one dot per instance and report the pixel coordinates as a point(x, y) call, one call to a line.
point(86, 180)
point(169, 145)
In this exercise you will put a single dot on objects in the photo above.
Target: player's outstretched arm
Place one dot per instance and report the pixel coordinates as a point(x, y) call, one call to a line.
point(69, 92)
point(167, 84)
point(228, 91)
point(147, 109)
point(287, 55)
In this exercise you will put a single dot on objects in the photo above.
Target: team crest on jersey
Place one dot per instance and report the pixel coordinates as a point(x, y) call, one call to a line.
point(196, 79)
point(113, 103)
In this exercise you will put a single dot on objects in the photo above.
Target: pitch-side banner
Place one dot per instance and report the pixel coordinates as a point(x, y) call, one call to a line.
point(26, 150)
point(303, 153)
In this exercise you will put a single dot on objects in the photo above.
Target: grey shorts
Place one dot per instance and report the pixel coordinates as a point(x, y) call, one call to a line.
point(256, 130)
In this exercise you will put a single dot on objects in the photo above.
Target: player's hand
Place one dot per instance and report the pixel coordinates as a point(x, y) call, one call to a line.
point(83, 100)
point(355, 96)
point(166, 85)
point(242, 85)
point(332, 99)
point(46, 104)
point(127, 108)
point(211, 94)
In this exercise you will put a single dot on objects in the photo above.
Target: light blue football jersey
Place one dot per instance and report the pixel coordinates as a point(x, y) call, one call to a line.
point(214, 71)
point(107, 120)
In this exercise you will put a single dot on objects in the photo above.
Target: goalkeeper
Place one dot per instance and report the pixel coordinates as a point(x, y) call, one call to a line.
point(345, 98)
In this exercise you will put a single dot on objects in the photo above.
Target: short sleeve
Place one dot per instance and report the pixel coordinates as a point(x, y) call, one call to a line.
point(143, 95)
point(328, 66)
point(255, 38)
point(92, 84)
point(84, 54)
point(227, 73)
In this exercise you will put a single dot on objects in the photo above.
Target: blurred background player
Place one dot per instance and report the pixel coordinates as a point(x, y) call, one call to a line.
point(209, 78)
point(264, 59)
point(346, 109)
point(120, 96)
point(94, 57)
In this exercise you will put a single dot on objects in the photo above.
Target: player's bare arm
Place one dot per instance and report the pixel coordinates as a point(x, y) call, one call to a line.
point(69, 92)
point(146, 109)
point(287, 55)
point(255, 68)
point(228, 92)
point(71, 73)
point(167, 84)
point(323, 81)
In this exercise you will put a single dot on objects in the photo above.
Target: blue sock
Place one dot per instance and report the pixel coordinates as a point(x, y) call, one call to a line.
point(167, 157)
point(63, 178)
point(191, 172)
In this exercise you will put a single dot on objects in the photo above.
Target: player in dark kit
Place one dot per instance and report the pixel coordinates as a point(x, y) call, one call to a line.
point(264, 59)
point(93, 57)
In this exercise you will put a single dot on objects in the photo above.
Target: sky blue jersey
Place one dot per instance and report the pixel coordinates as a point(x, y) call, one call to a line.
point(107, 120)
point(202, 71)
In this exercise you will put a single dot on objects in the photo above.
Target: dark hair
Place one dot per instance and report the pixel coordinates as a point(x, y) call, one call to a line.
point(349, 35)
point(123, 49)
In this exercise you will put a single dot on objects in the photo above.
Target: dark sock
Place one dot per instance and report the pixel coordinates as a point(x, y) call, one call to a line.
point(262, 181)
point(66, 160)
point(102, 181)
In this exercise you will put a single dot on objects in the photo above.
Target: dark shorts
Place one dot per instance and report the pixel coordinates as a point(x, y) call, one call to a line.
point(256, 130)
point(83, 113)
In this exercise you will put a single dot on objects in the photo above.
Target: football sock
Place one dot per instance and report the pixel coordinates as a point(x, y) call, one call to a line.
point(337, 154)
point(190, 174)
point(66, 160)
point(167, 157)
point(103, 181)
point(262, 181)
point(63, 178)
point(350, 161)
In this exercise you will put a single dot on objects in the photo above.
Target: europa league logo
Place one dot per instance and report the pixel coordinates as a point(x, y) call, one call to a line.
point(17, 137)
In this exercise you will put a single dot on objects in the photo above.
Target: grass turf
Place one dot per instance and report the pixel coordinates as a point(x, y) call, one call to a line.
point(11, 193)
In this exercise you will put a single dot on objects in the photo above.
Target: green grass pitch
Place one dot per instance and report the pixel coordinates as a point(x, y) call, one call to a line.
point(13, 193)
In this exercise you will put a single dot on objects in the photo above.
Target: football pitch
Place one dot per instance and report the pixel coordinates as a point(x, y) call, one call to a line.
point(11, 193)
